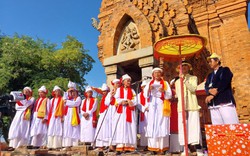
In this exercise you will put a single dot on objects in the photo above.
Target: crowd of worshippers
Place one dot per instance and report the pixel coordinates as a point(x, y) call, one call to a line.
point(66, 119)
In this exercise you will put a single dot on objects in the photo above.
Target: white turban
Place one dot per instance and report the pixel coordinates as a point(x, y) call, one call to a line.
point(56, 87)
point(42, 89)
point(105, 87)
point(126, 76)
point(27, 88)
point(71, 85)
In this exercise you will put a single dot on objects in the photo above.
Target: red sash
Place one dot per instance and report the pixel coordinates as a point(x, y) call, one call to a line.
point(142, 102)
point(128, 109)
point(103, 107)
point(91, 104)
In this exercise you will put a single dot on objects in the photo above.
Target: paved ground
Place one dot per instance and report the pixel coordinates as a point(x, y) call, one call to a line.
point(75, 151)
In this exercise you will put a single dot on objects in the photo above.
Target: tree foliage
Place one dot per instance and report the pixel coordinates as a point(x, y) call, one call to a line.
point(28, 62)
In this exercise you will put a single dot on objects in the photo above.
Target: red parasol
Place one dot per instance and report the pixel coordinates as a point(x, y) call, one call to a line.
point(174, 48)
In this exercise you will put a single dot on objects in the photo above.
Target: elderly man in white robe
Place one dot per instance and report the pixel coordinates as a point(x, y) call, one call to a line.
point(71, 124)
point(20, 126)
point(191, 106)
point(158, 93)
point(55, 119)
point(125, 119)
point(101, 134)
point(39, 121)
point(88, 119)
point(143, 107)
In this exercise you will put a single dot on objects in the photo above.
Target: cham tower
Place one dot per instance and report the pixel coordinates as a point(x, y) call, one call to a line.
point(129, 29)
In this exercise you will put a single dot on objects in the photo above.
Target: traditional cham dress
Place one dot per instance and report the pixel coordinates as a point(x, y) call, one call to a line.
point(192, 109)
point(38, 128)
point(71, 124)
point(88, 127)
point(19, 131)
point(158, 126)
point(55, 124)
point(125, 121)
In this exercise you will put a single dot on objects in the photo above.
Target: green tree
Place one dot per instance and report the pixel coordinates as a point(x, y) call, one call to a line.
point(28, 62)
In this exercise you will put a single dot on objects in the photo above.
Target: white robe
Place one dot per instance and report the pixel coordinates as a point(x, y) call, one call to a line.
point(125, 132)
point(39, 129)
point(102, 129)
point(142, 124)
point(87, 129)
point(110, 117)
point(71, 134)
point(19, 131)
point(158, 127)
point(55, 127)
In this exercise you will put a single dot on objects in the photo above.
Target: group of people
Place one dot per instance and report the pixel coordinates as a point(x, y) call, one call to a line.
point(66, 119)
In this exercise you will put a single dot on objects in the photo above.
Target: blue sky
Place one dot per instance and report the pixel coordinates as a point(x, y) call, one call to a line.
point(53, 20)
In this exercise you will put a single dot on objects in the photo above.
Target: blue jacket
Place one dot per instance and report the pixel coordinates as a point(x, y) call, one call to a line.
point(222, 81)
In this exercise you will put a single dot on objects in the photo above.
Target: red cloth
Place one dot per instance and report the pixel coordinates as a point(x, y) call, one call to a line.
point(103, 107)
point(143, 102)
point(91, 104)
point(128, 109)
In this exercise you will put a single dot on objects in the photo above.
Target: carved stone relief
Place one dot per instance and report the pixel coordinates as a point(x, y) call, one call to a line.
point(129, 38)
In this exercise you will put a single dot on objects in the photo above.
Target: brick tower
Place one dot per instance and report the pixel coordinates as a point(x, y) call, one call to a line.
point(129, 29)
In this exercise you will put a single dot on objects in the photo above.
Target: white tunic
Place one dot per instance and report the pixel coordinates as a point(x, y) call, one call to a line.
point(158, 125)
point(19, 128)
point(55, 125)
point(125, 131)
point(70, 131)
point(37, 127)
point(110, 116)
point(102, 129)
point(87, 129)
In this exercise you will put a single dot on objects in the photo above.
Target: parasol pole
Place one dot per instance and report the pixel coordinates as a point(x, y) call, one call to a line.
point(183, 105)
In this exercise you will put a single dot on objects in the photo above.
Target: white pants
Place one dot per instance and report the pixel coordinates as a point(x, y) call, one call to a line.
point(15, 143)
point(67, 142)
point(54, 142)
point(193, 128)
point(225, 114)
point(38, 140)
point(160, 144)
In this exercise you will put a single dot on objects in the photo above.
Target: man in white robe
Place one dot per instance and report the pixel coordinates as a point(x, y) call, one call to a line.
point(111, 102)
point(88, 119)
point(19, 131)
point(71, 124)
point(101, 134)
point(143, 107)
point(158, 127)
point(39, 121)
point(191, 106)
point(55, 119)
point(125, 119)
